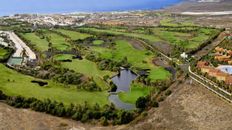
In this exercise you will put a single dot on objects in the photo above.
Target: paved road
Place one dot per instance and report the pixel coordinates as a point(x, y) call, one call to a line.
point(212, 84)
point(20, 46)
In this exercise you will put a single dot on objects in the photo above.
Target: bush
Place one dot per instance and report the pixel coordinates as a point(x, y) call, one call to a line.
point(155, 104)
point(125, 117)
point(2, 95)
point(141, 102)
point(104, 121)
point(168, 92)
point(144, 114)
point(160, 99)
point(113, 87)
point(106, 77)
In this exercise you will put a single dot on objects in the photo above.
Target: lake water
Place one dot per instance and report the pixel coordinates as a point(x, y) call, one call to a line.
point(8, 7)
point(123, 81)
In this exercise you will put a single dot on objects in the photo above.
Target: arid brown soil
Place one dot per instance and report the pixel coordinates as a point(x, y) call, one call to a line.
point(164, 47)
point(136, 44)
point(221, 21)
point(190, 107)
point(22, 119)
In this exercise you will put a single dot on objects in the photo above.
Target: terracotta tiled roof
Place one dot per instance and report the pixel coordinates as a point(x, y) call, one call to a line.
point(229, 80)
point(219, 49)
point(201, 64)
point(222, 58)
point(229, 52)
point(222, 74)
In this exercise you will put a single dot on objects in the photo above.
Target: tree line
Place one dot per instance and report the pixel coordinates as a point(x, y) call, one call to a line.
point(106, 115)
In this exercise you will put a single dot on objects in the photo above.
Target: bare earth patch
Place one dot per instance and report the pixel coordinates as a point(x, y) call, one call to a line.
point(164, 47)
point(137, 44)
point(190, 107)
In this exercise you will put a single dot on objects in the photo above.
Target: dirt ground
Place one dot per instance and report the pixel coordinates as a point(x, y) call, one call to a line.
point(222, 21)
point(190, 107)
point(136, 44)
point(164, 47)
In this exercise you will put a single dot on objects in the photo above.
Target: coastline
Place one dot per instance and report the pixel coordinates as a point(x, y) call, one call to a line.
point(92, 11)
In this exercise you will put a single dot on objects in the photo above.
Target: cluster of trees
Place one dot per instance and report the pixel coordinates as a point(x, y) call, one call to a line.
point(89, 40)
point(89, 85)
point(108, 64)
point(84, 113)
point(143, 103)
point(182, 29)
point(67, 76)
point(40, 34)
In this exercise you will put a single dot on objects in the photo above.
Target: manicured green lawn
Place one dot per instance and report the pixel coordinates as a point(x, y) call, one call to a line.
point(58, 41)
point(125, 49)
point(73, 35)
point(89, 69)
point(159, 74)
point(171, 22)
point(13, 83)
point(138, 58)
point(160, 34)
point(60, 57)
point(136, 91)
point(137, 35)
point(41, 44)
point(98, 42)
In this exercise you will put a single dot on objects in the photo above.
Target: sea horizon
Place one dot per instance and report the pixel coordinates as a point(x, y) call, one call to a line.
point(12, 7)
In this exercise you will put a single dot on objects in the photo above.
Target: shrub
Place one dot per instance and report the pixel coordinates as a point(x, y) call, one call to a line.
point(168, 92)
point(141, 102)
point(155, 104)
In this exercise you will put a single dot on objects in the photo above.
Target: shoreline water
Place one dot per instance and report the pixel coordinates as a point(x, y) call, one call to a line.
point(47, 10)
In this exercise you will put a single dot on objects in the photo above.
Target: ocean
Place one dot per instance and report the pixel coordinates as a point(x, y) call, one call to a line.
point(10, 7)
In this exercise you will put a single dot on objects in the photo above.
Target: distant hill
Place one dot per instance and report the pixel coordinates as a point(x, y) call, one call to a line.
point(202, 5)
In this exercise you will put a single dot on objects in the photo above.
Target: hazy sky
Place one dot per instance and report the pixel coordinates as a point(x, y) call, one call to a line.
point(46, 6)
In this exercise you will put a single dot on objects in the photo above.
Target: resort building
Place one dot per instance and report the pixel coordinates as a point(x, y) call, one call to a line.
point(215, 72)
point(223, 55)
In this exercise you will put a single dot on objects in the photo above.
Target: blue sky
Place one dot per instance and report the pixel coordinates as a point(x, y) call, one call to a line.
point(51, 6)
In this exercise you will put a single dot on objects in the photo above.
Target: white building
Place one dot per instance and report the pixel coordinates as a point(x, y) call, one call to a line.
point(184, 55)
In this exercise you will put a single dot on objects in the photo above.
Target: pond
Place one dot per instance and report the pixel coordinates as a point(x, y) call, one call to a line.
point(120, 104)
point(225, 68)
point(122, 81)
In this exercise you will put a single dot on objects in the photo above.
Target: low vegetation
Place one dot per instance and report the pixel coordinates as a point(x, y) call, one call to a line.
point(5, 53)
